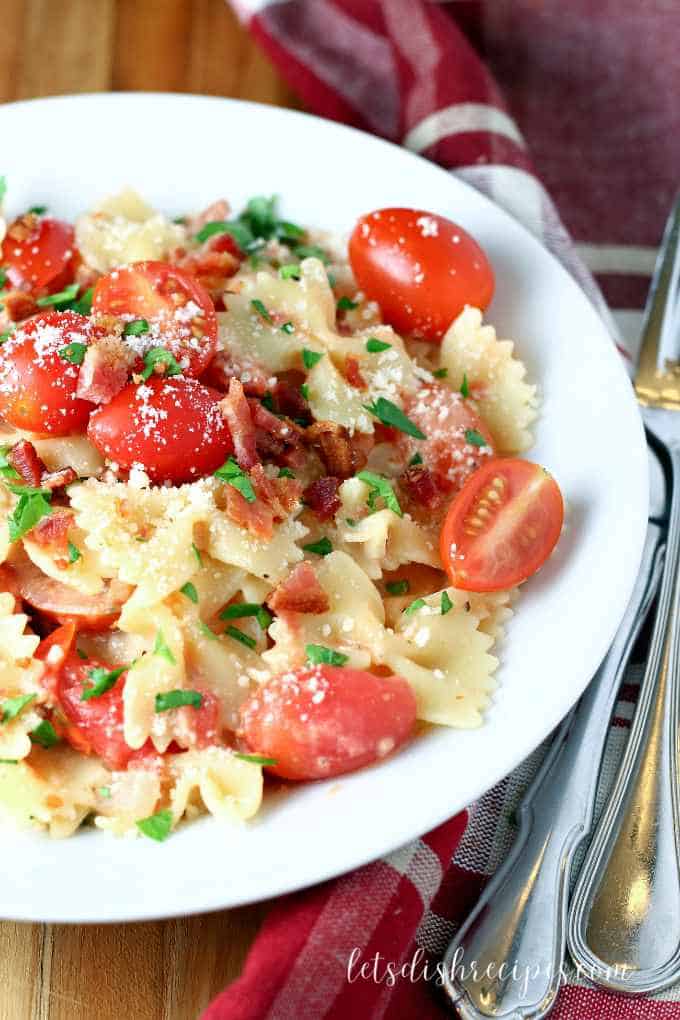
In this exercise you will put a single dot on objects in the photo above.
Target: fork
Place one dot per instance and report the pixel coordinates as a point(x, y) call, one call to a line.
point(624, 926)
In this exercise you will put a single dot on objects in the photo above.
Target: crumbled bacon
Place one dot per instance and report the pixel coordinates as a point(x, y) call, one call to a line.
point(105, 369)
point(24, 459)
point(277, 438)
point(289, 400)
point(58, 479)
point(51, 532)
point(253, 377)
point(353, 373)
point(342, 457)
point(322, 497)
point(235, 409)
point(299, 593)
point(23, 227)
point(216, 212)
point(282, 495)
point(16, 306)
point(422, 487)
point(257, 517)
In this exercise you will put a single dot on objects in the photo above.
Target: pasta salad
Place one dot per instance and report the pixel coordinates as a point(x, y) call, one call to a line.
point(262, 514)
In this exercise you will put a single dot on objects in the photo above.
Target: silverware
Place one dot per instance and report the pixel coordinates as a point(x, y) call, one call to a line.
point(506, 960)
point(624, 927)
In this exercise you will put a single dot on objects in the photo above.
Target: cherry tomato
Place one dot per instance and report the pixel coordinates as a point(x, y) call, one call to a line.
point(94, 726)
point(421, 268)
point(172, 426)
point(37, 384)
point(457, 440)
point(177, 307)
point(325, 720)
point(502, 525)
point(37, 252)
point(53, 651)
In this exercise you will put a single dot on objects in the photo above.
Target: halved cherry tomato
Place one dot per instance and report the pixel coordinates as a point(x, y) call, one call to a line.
point(322, 721)
point(37, 252)
point(37, 384)
point(172, 427)
point(457, 440)
point(421, 268)
point(53, 651)
point(502, 525)
point(177, 307)
point(94, 726)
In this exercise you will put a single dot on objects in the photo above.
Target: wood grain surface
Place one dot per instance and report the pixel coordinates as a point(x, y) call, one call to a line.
point(167, 970)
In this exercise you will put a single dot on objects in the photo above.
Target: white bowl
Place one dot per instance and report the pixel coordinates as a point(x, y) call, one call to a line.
point(181, 152)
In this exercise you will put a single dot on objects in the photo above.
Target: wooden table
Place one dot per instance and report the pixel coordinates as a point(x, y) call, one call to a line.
point(167, 970)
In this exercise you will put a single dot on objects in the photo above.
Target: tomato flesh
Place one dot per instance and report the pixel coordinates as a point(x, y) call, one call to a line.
point(502, 525)
point(172, 427)
point(38, 252)
point(421, 268)
point(177, 307)
point(322, 721)
point(37, 385)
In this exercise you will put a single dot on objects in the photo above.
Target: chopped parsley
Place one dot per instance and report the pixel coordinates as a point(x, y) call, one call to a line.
point(255, 759)
point(238, 635)
point(346, 304)
point(9, 761)
point(389, 414)
point(285, 472)
point(75, 352)
point(176, 699)
point(156, 826)
point(189, 590)
point(136, 327)
point(13, 707)
point(197, 553)
point(322, 548)
point(6, 335)
point(81, 654)
point(441, 373)
point(311, 358)
point(415, 459)
point(160, 356)
point(397, 587)
point(45, 735)
point(67, 294)
point(238, 610)
point(287, 327)
point(446, 603)
point(102, 681)
point(38, 210)
point(464, 387)
point(415, 606)
point(3, 187)
point(162, 649)
point(3, 276)
point(261, 310)
point(311, 251)
point(82, 305)
point(33, 505)
point(290, 272)
point(320, 654)
point(6, 469)
point(74, 553)
point(105, 792)
point(380, 488)
point(304, 390)
point(375, 346)
point(207, 632)
point(473, 437)
point(232, 474)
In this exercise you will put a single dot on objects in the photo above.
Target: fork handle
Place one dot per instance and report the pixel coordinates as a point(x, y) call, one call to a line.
point(506, 960)
point(624, 928)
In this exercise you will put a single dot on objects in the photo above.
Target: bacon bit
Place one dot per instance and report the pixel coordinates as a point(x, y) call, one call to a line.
point(289, 400)
point(282, 495)
point(58, 479)
point(24, 459)
point(278, 439)
point(257, 518)
point(23, 227)
point(299, 593)
point(422, 487)
point(353, 373)
point(322, 497)
point(223, 368)
point(51, 531)
point(105, 369)
point(342, 458)
point(236, 410)
point(17, 305)
point(216, 212)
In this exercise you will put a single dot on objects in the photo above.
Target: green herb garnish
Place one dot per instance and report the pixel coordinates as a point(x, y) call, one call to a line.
point(136, 327)
point(156, 826)
point(75, 353)
point(162, 649)
point(397, 587)
point(464, 387)
point(346, 304)
point(12, 707)
point(176, 699)
point(285, 472)
point(474, 438)
point(375, 346)
point(74, 553)
point(415, 459)
point(102, 681)
point(288, 328)
point(320, 654)
point(304, 390)
point(207, 632)
point(238, 635)
point(197, 553)
point(380, 488)
point(189, 590)
point(389, 414)
point(255, 759)
point(415, 606)
point(45, 735)
point(311, 358)
point(311, 251)
point(67, 294)
point(33, 505)
point(441, 373)
point(6, 469)
point(238, 610)
point(290, 272)
point(322, 548)
point(159, 356)
point(232, 474)
point(261, 310)
point(446, 603)
point(38, 210)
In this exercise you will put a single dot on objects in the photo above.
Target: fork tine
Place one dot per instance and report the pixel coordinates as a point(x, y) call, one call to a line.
point(653, 384)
